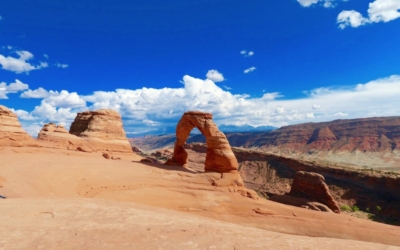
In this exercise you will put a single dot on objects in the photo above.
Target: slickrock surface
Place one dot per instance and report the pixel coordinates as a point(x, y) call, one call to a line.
point(101, 224)
point(219, 155)
point(11, 132)
point(103, 129)
point(312, 185)
point(56, 136)
point(61, 199)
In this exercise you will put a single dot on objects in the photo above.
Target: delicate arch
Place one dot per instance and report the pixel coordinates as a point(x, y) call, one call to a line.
point(219, 157)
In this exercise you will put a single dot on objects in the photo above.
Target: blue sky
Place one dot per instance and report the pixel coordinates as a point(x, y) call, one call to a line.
point(248, 62)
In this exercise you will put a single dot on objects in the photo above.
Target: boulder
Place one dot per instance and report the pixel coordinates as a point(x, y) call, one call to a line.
point(11, 132)
point(312, 186)
point(137, 150)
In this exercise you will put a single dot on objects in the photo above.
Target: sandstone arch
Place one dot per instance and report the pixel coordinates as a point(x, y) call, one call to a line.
point(219, 155)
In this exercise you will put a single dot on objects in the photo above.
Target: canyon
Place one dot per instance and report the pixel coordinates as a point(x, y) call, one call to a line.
point(62, 191)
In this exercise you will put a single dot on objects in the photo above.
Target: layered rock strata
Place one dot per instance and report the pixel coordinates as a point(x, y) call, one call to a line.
point(219, 155)
point(11, 132)
point(56, 136)
point(103, 129)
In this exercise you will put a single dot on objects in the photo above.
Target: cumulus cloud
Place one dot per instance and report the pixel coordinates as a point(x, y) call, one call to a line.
point(62, 99)
point(37, 93)
point(20, 64)
point(378, 11)
point(156, 108)
point(215, 76)
point(249, 70)
point(14, 87)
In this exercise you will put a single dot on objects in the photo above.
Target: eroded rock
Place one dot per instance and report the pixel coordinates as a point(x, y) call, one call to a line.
point(11, 132)
point(219, 155)
point(313, 186)
point(103, 129)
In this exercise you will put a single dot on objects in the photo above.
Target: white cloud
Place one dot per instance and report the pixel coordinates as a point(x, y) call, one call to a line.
point(227, 87)
point(378, 11)
point(46, 56)
point(316, 106)
point(20, 64)
point(1, 18)
point(64, 99)
point(59, 65)
point(307, 3)
point(215, 76)
point(247, 54)
point(351, 18)
point(340, 114)
point(37, 93)
point(149, 107)
point(14, 87)
point(249, 70)
point(324, 3)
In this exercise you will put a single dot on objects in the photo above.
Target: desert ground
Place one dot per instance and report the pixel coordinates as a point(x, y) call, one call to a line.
point(60, 199)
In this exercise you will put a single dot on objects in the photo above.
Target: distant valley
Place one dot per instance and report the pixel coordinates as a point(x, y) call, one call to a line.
point(366, 142)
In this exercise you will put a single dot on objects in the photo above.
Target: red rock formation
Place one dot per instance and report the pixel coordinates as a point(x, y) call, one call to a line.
point(55, 136)
point(312, 185)
point(377, 134)
point(103, 129)
point(219, 156)
point(11, 132)
point(100, 130)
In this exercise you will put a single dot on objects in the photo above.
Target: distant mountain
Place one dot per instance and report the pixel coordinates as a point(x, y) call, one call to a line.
point(245, 128)
point(162, 131)
point(168, 130)
point(377, 134)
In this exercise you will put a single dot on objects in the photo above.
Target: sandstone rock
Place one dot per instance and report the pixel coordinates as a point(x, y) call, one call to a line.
point(55, 136)
point(219, 155)
point(136, 149)
point(84, 149)
point(149, 159)
point(312, 185)
point(103, 129)
point(11, 132)
point(163, 153)
point(300, 202)
point(107, 156)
